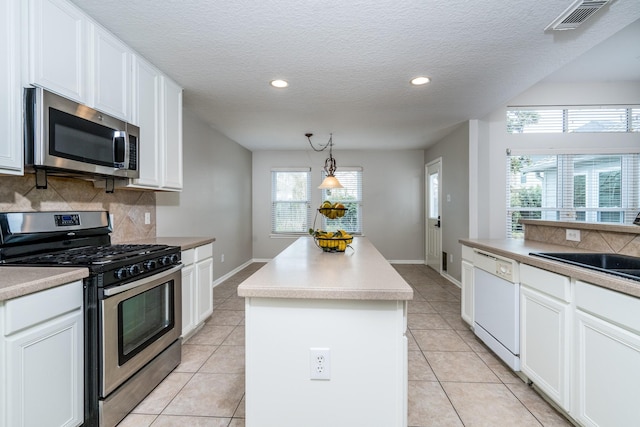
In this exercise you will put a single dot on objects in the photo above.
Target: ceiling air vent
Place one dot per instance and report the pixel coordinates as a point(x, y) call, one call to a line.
point(576, 14)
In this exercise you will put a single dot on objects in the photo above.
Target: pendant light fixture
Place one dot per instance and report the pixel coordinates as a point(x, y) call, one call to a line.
point(329, 164)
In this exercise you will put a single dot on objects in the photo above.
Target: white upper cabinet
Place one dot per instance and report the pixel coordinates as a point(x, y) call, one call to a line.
point(172, 134)
point(146, 115)
point(70, 54)
point(73, 56)
point(157, 110)
point(57, 51)
point(110, 73)
point(10, 89)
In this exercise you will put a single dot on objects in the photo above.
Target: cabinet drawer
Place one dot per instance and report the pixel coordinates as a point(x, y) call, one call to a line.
point(545, 281)
point(204, 251)
point(610, 305)
point(28, 310)
point(188, 256)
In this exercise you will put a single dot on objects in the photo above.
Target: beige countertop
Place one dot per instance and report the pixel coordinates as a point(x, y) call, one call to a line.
point(518, 250)
point(303, 270)
point(184, 242)
point(18, 281)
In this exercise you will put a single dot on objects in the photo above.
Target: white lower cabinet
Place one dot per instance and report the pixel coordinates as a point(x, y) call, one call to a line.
point(607, 372)
point(467, 285)
point(188, 298)
point(197, 291)
point(545, 332)
point(42, 359)
point(544, 347)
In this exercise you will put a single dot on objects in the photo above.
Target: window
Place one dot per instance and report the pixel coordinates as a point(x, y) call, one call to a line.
point(350, 196)
point(573, 119)
point(567, 187)
point(290, 200)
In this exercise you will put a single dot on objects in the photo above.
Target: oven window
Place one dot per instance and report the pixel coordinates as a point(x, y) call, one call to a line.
point(144, 318)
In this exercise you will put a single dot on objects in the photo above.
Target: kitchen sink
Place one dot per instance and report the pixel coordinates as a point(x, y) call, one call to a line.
point(619, 265)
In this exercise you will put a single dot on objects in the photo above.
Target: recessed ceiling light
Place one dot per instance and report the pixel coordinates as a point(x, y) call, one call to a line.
point(419, 81)
point(279, 83)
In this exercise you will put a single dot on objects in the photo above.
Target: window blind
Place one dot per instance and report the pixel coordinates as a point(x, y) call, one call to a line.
point(290, 200)
point(565, 119)
point(572, 187)
point(350, 196)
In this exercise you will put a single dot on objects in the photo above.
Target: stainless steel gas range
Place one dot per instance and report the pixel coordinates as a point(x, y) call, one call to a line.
point(132, 303)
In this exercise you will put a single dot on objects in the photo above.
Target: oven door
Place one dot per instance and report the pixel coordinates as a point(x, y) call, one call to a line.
point(138, 320)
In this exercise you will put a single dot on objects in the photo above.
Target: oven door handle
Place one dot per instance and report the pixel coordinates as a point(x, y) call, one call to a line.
point(119, 289)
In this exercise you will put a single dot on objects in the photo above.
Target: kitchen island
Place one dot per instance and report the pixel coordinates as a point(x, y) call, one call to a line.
point(325, 339)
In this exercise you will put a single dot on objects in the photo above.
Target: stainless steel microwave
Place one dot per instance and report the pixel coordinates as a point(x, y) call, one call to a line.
point(62, 135)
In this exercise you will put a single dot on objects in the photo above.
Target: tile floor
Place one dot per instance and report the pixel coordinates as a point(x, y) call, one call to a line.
point(454, 380)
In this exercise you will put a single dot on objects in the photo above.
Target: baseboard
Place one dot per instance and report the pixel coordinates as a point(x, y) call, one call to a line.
point(406, 261)
point(452, 280)
point(231, 273)
point(236, 270)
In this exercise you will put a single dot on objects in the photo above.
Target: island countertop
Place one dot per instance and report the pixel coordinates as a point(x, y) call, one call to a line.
point(303, 270)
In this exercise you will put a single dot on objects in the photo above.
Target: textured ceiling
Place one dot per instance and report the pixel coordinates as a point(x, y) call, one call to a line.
point(349, 62)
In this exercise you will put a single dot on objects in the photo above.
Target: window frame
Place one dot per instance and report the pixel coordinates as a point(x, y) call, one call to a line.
point(562, 119)
point(274, 202)
point(326, 223)
point(563, 208)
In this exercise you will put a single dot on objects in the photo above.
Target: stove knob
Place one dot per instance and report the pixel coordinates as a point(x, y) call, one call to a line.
point(150, 265)
point(175, 259)
point(121, 273)
point(165, 260)
point(134, 269)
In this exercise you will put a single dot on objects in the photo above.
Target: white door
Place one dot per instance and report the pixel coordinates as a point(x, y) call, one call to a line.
point(434, 211)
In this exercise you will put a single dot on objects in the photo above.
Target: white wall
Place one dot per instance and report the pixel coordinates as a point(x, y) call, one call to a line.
point(454, 151)
point(393, 198)
point(216, 200)
point(494, 140)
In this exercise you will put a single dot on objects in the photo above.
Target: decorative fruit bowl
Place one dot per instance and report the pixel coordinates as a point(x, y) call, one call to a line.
point(332, 242)
point(332, 211)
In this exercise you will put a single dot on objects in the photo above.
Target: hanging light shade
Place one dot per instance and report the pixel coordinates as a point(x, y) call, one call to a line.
point(329, 165)
point(330, 182)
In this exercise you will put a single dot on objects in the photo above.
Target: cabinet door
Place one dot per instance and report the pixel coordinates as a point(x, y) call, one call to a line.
point(467, 292)
point(146, 116)
point(110, 71)
point(172, 134)
point(544, 344)
point(57, 56)
point(45, 374)
point(10, 89)
point(188, 300)
point(204, 280)
point(608, 373)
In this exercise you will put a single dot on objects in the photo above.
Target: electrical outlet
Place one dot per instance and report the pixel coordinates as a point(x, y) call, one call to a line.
point(451, 258)
point(147, 218)
point(573, 235)
point(320, 363)
point(222, 258)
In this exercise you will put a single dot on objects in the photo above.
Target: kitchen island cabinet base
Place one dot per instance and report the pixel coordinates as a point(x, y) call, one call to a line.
point(368, 350)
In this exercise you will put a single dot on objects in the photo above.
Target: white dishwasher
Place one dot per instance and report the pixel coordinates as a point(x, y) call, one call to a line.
point(496, 305)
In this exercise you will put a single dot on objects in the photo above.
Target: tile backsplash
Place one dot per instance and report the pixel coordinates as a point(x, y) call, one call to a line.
point(601, 240)
point(128, 207)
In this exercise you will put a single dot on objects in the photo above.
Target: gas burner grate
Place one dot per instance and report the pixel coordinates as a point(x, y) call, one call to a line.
point(90, 255)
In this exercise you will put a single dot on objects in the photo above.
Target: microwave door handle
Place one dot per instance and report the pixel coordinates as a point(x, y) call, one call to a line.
point(120, 150)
